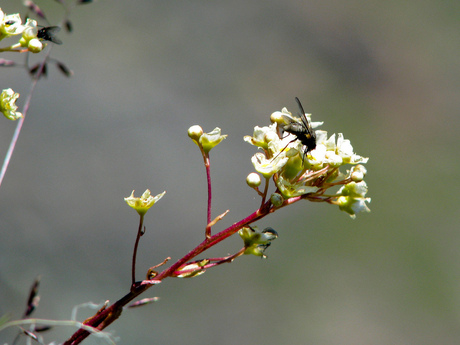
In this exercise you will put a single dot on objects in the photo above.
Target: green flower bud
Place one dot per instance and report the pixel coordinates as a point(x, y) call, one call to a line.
point(194, 269)
point(277, 199)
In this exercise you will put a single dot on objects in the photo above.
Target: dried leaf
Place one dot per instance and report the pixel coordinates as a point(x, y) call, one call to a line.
point(68, 26)
point(143, 302)
point(7, 63)
point(33, 299)
point(63, 68)
point(42, 328)
point(30, 334)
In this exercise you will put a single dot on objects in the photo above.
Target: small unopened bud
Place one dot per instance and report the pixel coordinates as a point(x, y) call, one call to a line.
point(35, 45)
point(276, 199)
point(195, 132)
point(358, 172)
point(277, 117)
point(253, 180)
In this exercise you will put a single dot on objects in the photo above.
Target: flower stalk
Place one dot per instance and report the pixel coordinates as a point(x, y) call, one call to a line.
point(298, 174)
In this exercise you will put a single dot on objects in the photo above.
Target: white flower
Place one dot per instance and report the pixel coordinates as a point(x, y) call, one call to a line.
point(353, 198)
point(10, 25)
point(262, 136)
point(268, 166)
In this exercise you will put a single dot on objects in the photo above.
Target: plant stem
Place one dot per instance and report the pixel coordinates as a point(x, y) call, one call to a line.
point(207, 164)
point(109, 315)
point(17, 131)
point(136, 244)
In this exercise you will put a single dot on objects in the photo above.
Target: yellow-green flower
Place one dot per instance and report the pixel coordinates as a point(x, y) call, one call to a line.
point(142, 204)
point(211, 139)
point(255, 241)
point(8, 104)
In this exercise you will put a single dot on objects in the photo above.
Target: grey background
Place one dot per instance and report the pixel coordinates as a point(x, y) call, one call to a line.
point(385, 74)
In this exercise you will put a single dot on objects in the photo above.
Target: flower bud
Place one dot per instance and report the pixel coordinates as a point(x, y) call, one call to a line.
point(277, 199)
point(35, 45)
point(194, 269)
point(253, 180)
point(357, 173)
point(195, 132)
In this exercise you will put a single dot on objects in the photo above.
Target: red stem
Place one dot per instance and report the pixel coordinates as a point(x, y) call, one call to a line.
point(207, 164)
point(109, 315)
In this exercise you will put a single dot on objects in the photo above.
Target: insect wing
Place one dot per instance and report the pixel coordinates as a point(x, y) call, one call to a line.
point(48, 34)
point(305, 121)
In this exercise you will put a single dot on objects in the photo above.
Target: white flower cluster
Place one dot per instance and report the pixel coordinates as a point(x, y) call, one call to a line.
point(11, 25)
point(297, 173)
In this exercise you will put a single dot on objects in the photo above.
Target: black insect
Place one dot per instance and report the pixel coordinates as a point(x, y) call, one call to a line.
point(48, 34)
point(301, 130)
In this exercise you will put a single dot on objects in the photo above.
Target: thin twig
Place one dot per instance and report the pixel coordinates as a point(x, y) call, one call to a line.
point(17, 131)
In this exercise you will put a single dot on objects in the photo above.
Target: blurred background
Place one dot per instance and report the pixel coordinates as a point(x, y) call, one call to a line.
point(386, 74)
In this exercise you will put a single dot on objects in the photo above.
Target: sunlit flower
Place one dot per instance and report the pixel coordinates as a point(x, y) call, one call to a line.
point(10, 25)
point(296, 171)
point(352, 199)
point(268, 166)
point(29, 37)
point(211, 139)
point(262, 136)
point(143, 204)
point(30, 30)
